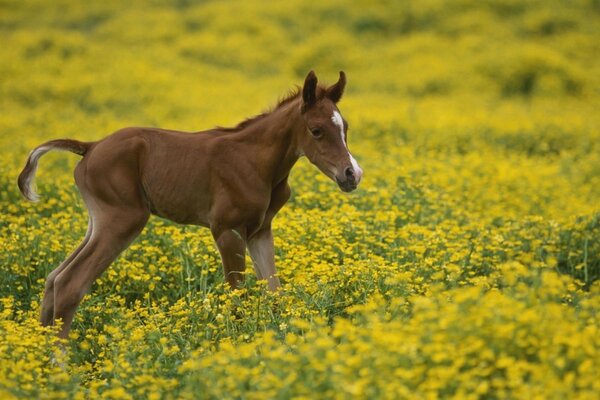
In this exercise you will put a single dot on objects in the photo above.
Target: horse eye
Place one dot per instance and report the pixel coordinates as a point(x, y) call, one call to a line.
point(316, 132)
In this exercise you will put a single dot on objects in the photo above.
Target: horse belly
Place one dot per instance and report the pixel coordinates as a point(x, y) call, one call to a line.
point(173, 192)
point(178, 203)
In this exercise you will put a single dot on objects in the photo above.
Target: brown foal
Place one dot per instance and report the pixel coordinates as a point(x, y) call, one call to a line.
point(231, 180)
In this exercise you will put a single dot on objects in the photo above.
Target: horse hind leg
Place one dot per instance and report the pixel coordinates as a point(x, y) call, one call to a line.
point(114, 229)
point(47, 308)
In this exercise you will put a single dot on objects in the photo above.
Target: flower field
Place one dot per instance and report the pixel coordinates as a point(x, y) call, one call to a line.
point(466, 265)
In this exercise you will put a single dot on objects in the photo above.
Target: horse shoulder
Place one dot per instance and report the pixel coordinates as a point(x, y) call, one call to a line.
point(280, 195)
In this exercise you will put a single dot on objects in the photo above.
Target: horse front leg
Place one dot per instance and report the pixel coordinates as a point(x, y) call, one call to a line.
point(262, 253)
point(232, 247)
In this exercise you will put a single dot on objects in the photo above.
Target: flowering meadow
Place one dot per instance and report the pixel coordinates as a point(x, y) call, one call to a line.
point(466, 265)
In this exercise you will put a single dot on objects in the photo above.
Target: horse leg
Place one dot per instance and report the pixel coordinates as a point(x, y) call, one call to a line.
point(262, 252)
point(232, 247)
point(114, 229)
point(47, 309)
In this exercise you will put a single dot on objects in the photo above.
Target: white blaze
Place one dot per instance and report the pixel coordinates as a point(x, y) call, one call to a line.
point(337, 119)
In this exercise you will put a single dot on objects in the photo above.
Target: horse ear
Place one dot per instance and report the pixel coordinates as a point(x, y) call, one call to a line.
point(309, 91)
point(335, 92)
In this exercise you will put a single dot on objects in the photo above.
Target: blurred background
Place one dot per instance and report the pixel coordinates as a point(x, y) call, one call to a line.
point(412, 66)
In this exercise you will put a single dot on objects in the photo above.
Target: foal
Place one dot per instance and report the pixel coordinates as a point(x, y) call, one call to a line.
point(231, 180)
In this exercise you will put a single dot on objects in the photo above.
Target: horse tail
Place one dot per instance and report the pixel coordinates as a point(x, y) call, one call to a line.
point(28, 174)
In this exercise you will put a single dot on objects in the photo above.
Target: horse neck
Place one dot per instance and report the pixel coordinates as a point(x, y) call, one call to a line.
point(273, 141)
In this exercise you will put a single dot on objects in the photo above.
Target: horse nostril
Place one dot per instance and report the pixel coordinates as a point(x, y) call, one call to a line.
point(349, 173)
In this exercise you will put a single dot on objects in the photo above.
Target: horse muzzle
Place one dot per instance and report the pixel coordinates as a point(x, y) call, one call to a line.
point(350, 180)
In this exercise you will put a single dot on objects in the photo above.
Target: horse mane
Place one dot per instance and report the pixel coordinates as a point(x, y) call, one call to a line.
point(290, 96)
